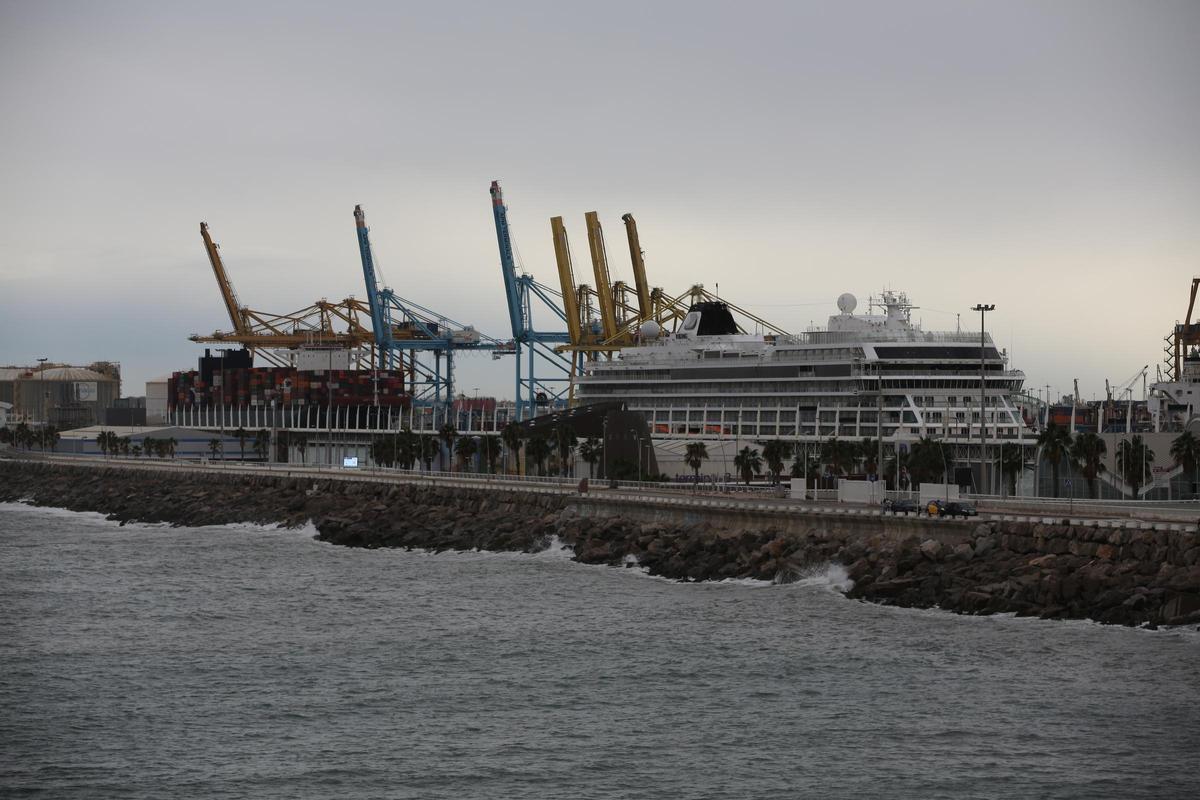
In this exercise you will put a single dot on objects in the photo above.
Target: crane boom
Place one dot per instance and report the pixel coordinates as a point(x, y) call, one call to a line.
point(223, 283)
point(608, 311)
point(382, 330)
point(566, 279)
point(508, 264)
point(645, 309)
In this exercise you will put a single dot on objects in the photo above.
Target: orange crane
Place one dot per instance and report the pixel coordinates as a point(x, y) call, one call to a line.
point(271, 335)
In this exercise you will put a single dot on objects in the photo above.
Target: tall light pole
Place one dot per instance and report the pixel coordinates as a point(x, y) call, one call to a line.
point(42, 397)
point(982, 309)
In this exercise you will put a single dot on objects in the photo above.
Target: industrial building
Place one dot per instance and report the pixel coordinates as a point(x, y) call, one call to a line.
point(61, 395)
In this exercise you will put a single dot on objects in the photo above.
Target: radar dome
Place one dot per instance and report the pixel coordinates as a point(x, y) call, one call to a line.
point(650, 329)
point(847, 303)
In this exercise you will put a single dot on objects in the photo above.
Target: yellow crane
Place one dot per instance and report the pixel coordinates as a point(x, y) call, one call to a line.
point(608, 310)
point(636, 257)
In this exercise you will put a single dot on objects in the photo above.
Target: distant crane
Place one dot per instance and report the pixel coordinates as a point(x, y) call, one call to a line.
point(543, 376)
point(403, 330)
point(1124, 388)
point(272, 336)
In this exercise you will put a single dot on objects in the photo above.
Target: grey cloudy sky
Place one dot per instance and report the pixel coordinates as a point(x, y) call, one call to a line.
point(1041, 156)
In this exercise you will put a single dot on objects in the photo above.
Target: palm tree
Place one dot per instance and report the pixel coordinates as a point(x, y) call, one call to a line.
point(927, 460)
point(51, 437)
point(490, 447)
point(149, 446)
point(868, 450)
point(1185, 452)
point(23, 436)
point(694, 456)
point(262, 443)
point(214, 447)
point(465, 449)
point(448, 434)
point(125, 444)
point(300, 440)
point(1055, 442)
point(429, 449)
point(537, 448)
point(512, 442)
point(1012, 462)
point(136, 450)
point(838, 454)
point(383, 451)
point(774, 453)
point(564, 442)
point(748, 462)
point(407, 446)
point(1088, 451)
point(590, 450)
point(1134, 459)
point(241, 434)
point(172, 443)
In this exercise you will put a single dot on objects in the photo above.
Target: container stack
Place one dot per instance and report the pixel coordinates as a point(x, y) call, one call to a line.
point(287, 386)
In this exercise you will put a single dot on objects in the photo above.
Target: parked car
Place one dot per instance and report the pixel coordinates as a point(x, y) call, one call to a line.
point(901, 506)
point(958, 509)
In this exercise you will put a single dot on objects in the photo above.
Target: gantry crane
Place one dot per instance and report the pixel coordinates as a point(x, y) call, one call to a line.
point(600, 320)
point(543, 375)
point(270, 336)
point(406, 333)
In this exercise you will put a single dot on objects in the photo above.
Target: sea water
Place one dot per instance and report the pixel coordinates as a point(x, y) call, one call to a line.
point(145, 661)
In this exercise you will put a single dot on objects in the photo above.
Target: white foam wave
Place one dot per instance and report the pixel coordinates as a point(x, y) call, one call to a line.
point(833, 576)
point(754, 583)
point(556, 550)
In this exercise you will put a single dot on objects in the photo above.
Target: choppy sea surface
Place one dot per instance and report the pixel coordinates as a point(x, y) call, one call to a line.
point(150, 662)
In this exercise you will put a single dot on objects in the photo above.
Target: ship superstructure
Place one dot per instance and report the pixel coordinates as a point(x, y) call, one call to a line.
point(863, 375)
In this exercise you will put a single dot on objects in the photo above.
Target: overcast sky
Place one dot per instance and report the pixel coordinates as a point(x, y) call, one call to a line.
point(1040, 156)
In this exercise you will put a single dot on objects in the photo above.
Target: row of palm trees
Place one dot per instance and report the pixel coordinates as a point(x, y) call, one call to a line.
point(835, 456)
point(1133, 459)
point(25, 437)
point(927, 460)
point(406, 448)
point(111, 444)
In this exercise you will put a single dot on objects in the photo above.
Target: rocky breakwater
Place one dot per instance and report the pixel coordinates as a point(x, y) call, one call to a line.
point(1114, 575)
point(1127, 576)
point(351, 513)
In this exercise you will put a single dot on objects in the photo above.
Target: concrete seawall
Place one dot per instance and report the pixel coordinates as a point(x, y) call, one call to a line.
point(1131, 575)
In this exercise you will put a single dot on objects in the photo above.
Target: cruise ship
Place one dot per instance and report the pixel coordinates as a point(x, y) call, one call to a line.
point(875, 375)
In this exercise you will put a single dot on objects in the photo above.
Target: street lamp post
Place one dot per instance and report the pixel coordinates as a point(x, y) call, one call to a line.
point(637, 437)
point(42, 397)
point(604, 446)
point(982, 309)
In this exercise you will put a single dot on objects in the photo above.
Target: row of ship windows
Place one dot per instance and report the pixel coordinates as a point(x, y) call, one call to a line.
point(849, 403)
point(808, 415)
point(775, 388)
point(1004, 431)
point(783, 385)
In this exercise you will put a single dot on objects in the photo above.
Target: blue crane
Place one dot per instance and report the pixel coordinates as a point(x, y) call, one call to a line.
point(404, 331)
point(543, 375)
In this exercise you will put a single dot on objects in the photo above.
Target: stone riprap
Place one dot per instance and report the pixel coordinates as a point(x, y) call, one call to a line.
point(1127, 575)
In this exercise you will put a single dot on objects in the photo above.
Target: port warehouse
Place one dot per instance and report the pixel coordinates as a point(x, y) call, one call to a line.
point(313, 377)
